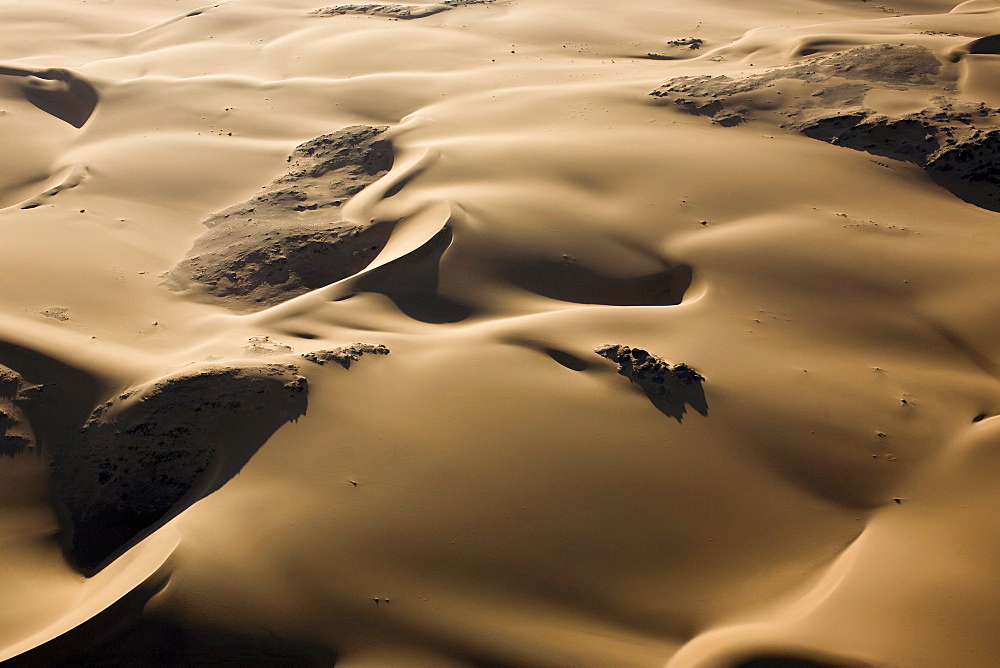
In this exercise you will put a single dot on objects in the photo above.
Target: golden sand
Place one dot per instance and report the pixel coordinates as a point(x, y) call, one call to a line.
point(513, 332)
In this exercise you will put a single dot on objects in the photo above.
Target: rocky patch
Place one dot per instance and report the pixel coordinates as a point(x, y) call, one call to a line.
point(345, 355)
point(670, 387)
point(291, 238)
point(16, 435)
point(149, 453)
point(825, 97)
point(397, 11)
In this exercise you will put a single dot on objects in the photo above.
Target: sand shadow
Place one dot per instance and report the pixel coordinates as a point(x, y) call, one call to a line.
point(54, 398)
point(124, 634)
point(560, 356)
point(411, 282)
point(58, 92)
point(572, 282)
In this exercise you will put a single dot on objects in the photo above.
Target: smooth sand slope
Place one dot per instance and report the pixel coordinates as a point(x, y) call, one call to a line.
point(513, 332)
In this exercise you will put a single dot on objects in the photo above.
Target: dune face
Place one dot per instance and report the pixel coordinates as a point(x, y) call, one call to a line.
point(513, 332)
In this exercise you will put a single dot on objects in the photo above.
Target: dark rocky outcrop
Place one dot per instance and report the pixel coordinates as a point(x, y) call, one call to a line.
point(345, 355)
point(670, 387)
point(393, 10)
point(149, 453)
point(291, 238)
point(16, 435)
point(956, 142)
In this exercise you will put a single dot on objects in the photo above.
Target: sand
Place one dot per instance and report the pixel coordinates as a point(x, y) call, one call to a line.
point(512, 332)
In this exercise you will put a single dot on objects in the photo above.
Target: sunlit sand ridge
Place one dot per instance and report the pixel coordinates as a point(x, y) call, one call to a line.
point(511, 332)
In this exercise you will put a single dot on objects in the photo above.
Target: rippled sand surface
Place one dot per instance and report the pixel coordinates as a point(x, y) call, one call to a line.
point(500, 332)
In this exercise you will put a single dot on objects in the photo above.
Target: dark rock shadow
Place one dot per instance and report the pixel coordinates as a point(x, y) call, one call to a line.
point(568, 360)
point(16, 436)
point(145, 456)
point(411, 282)
point(669, 387)
point(53, 397)
point(971, 171)
point(965, 162)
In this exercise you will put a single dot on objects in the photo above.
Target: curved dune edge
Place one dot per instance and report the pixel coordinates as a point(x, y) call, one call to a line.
point(140, 567)
point(675, 379)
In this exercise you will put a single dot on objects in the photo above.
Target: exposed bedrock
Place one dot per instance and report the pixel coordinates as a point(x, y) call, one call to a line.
point(855, 71)
point(345, 355)
point(149, 453)
point(291, 238)
point(826, 97)
point(43, 400)
point(394, 10)
point(943, 140)
point(670, 387)
point(16, 434)
point(123, 469)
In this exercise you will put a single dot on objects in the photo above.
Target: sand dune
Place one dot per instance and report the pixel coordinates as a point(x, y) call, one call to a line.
point(690, 308)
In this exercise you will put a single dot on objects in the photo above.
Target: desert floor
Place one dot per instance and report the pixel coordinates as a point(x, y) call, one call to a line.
point(500, 332)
